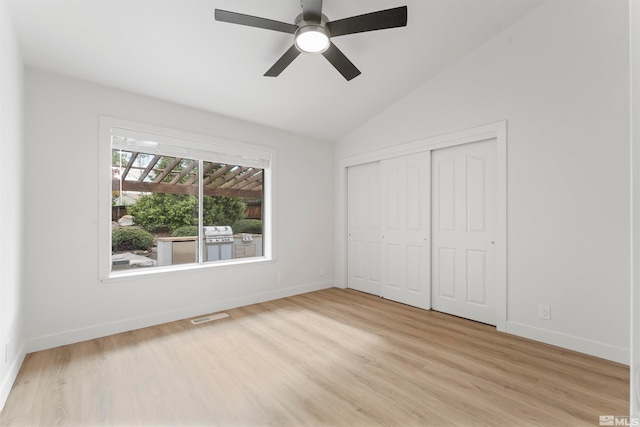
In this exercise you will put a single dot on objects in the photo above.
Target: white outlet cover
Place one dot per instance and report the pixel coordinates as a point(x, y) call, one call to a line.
point(544, 312)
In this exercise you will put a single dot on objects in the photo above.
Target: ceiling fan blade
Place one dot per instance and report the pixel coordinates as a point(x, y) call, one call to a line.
point(283, 62)
point(254, 21)
point(341, 62)
point(311, 10)
point(389, 18)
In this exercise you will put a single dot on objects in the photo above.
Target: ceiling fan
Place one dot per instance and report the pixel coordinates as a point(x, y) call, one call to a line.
point(313, 32)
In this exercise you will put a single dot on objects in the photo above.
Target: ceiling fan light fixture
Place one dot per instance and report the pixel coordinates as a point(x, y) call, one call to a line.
point(312, 32)
point(312, 39)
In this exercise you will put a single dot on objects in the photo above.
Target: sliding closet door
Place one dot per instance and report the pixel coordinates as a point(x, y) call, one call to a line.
point(464, 231)
point(363, 226)
point(406, 223)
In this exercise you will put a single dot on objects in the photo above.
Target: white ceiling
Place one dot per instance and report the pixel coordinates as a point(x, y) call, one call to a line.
point(174, 50)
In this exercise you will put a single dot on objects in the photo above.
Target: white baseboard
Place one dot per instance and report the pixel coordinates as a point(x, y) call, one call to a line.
point(593, 348)
point(12, 374)
point(102, 330)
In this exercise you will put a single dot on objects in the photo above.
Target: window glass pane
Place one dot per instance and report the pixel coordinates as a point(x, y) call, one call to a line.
point(232, 211)
point(154, 210)
point(180, 198)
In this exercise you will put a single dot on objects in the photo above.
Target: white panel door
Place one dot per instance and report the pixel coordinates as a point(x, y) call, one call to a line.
point(464, 230)
point(363, 226)
point(405, 230)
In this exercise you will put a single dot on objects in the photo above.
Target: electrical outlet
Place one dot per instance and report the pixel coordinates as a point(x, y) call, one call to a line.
point(280, 277)
point(544, 312)
point(6, 352)
point(321, 272)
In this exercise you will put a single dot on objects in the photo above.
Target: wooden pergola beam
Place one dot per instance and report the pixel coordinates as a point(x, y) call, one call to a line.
point(224, 169)
point(229, 176)
point(247, 181)
point(129, 164)
point(184, 171)
point(168, 169)
point(163, 187)
point(217, 182)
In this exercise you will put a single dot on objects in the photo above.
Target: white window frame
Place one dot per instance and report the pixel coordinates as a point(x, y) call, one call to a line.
point(174, 142)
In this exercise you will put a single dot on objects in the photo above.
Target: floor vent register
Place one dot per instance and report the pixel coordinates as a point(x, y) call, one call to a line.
point(211, 318)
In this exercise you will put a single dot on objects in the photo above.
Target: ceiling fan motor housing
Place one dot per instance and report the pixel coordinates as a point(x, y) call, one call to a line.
point(312, 37)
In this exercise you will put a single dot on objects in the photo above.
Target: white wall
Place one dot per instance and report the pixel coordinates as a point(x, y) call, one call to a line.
point(66, 301)
point(11, 206)
point(560, 79)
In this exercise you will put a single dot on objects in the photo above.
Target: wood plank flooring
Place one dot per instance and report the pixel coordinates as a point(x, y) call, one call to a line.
point(329, 358)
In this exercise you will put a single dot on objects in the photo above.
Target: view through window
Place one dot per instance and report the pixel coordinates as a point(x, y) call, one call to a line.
point(169, 209)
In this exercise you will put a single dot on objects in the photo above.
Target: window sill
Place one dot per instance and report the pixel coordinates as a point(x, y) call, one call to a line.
point(118, 276)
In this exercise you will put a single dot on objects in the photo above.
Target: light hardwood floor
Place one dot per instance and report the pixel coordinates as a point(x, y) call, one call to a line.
point(334, 357)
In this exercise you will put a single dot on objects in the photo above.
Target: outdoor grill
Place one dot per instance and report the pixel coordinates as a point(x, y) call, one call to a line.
point(219, 242)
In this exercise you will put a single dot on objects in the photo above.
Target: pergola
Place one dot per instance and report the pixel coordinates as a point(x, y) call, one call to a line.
point(180, 176)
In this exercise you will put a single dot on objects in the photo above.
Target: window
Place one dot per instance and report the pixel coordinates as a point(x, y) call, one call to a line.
point(180, 200)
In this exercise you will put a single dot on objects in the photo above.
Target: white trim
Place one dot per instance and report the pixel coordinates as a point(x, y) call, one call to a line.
point(634, 151)
point(170, 145)
point(480, 133)
point(188, 140)
point(83, 334)
point(181, 143)
point(497, 130)
point(571, 342)
point(501, 227)
point(127, 275)
point(10, 377)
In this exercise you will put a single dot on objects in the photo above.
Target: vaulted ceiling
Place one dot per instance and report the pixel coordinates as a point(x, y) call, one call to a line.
point(174, 50)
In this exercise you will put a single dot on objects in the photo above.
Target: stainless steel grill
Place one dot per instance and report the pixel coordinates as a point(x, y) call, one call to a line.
point(218, 234)
point(219, 242)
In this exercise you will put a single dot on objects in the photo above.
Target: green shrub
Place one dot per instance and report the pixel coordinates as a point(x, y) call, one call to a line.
point(155, 211)
point(253, 226)
point(130, 239)
point(222, 210)
point(185, 231)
